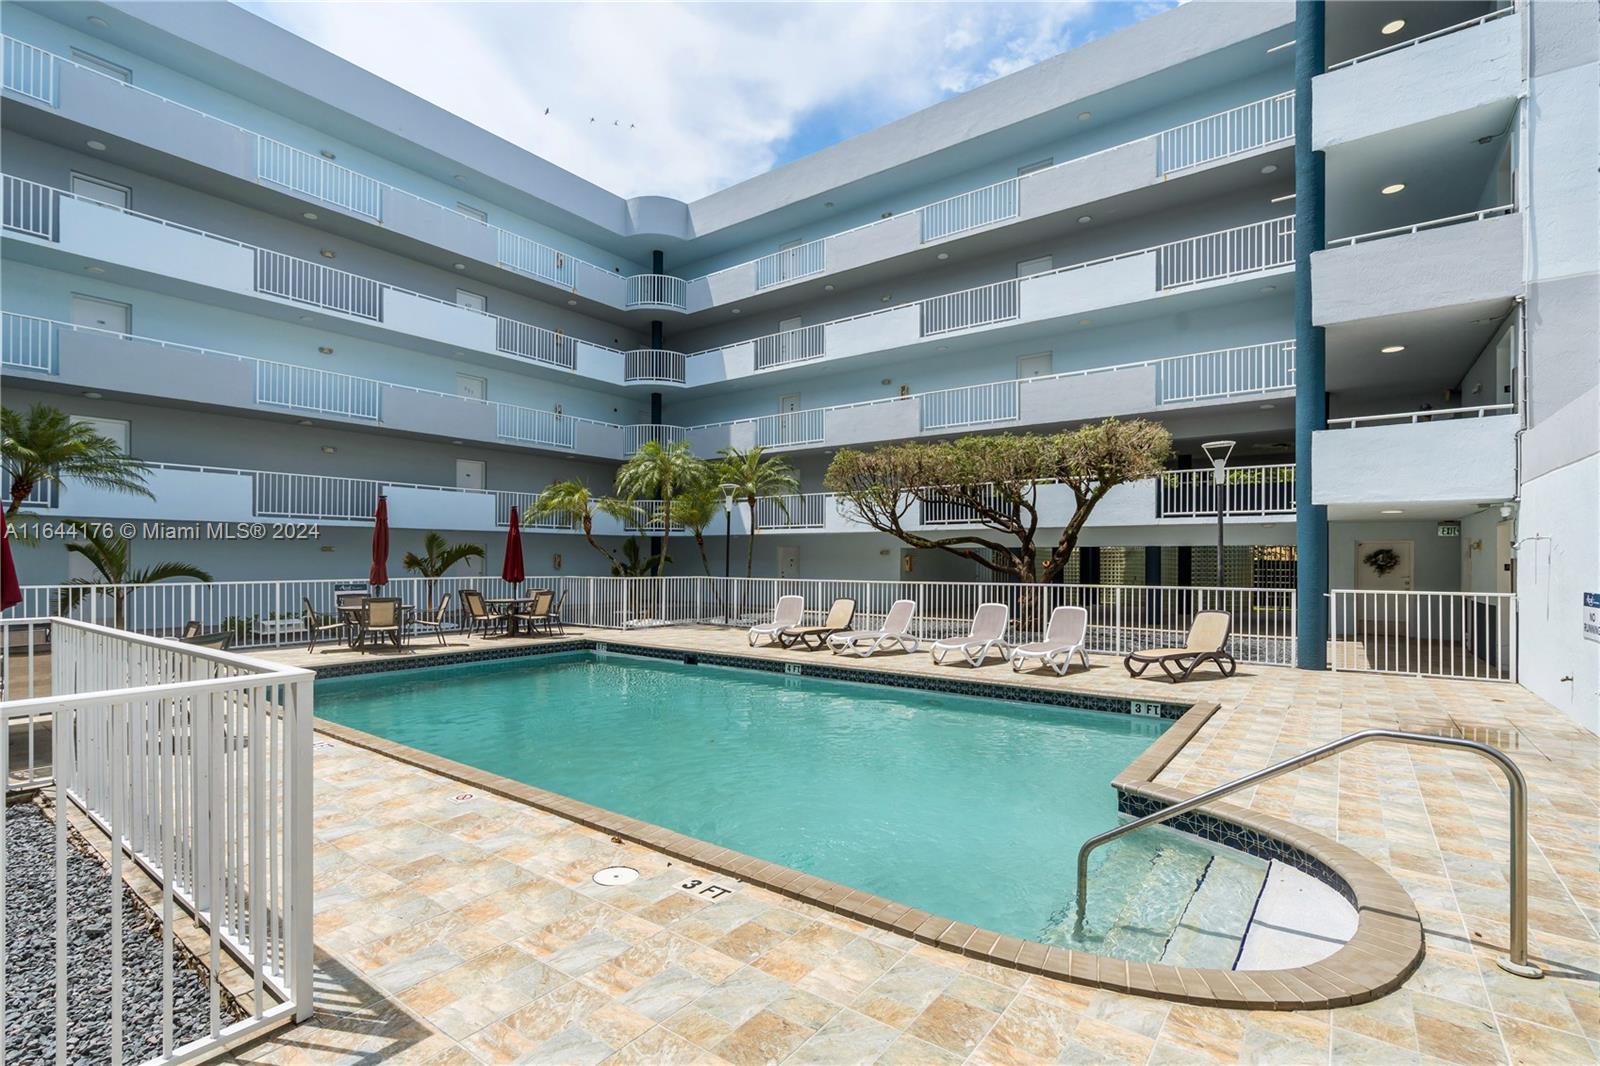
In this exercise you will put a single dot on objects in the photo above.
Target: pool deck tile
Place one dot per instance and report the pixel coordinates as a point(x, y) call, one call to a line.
point(524, 959)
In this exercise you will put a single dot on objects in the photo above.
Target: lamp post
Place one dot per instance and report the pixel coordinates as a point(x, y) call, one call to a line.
point(1218, 451)
point(728, 489)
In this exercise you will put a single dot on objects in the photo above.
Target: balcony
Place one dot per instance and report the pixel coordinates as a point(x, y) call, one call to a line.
point(657, 292)
point(653, 366)
point(1246, 490)
point(1462, 456)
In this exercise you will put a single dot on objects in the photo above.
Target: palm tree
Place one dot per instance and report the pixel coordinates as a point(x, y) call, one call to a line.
point(46, 446)
point(753, 474)
point(108, 554)
point(693, 511)
point(662, 472)
point(632, 562)
point(438, 556)
point(573, 500)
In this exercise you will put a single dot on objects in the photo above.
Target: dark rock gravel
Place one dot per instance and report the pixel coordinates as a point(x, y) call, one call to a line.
point(30, 957)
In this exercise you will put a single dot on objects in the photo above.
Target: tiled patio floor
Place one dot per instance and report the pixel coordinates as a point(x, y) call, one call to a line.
point(461, 927)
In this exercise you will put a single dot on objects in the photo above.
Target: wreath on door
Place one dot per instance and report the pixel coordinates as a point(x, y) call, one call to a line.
point(1382, 560)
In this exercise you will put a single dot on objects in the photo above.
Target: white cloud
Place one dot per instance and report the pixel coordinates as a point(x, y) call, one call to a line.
point(685, 98)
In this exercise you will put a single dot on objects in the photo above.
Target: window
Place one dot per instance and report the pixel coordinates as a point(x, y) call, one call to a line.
point(100, 190)
point(1035, 266)
point(1043, 164)
point(473, 212)
point(472, 300)
point(102, 66)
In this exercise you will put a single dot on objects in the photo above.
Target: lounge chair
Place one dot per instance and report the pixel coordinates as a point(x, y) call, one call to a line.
point(988, 631)
point(1063, 638)
point(315, 626)
point(896, 629)
point(785, 615)
point(1207, 642)
point(382, 620)
point(536, 612)
point(436, 623)
point(838, 621)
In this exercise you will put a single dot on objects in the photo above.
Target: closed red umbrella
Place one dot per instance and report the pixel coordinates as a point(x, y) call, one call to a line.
point(378, 576)
point(11, 590)
point(512, 571)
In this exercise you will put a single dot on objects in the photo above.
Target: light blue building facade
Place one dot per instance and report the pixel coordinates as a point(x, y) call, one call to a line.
point(216, 246)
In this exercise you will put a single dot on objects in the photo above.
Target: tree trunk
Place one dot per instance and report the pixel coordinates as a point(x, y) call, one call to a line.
point(750, 540)
point(700, 542)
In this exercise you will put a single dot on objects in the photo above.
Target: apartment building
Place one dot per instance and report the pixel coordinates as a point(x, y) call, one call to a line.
point(1358, 239)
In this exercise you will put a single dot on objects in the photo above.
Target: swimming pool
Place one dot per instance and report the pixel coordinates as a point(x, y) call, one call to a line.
point(965, 807)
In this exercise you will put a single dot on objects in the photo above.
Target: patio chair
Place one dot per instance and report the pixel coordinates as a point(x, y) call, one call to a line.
point(1063, 638)
point(221, 640)
point(1207, 642)
point(837, 621)
point(896, 629)
point(479, 618)
point(988, 631)
point(552, 618)
point(315, 626)
point(436, 623)
point(382, 620)
point(191, 628)
point(536, 613)
point(787, 613)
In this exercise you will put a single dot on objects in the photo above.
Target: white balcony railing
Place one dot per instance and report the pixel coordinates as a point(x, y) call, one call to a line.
point(305, 388)
point(1228, 372)
point(1443, 414)
point(787, 264)
point(790, 346)
point(1243, 129)
point(637, 436)
point(526, 504)
point(306, 282)
point(528, 425)
point(27, 343)
point(972, 405)
point(1418, 227)
point(314, 496)
point(938, 510)
point(791, 428)
point(536, 260)
point(653, 366)
point(1229, 253)
point(1247, 490)
point(982, 306)
point(29, 71)
point(801, 511)
point(318, 178)
point(658, 291)
point(43, 493)
point(30, 208)
point(1432, 634)
point(970, 210)
point(535, 342)
point(1413, 42)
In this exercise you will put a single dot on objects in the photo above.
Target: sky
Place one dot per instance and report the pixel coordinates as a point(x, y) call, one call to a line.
point(683, 99)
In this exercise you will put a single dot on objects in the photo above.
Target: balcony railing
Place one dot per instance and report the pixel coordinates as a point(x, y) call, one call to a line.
point(970, 210)
point(787, 264)
point(791, 428)
point(973, 405)
point(1246, 490)
point(304, 388)
point(30, 208)
point(653, 366)
point(801, 511)
point(306, 282)
point(536, 260)
point(1418, 227)
point(637, 436)
point(1216, 256)
point(30, 71)
point(981, 306)
point(42, 494)
point(318, 178)
point(1243, 129)
point(528, 425)
point(1228, 372)
point(1444, 414)
point(938, 510)
point(526, 504)
point(1413, 42)
point(658, 291)
point(790, 346)
point(536, 343)
point(27, 343)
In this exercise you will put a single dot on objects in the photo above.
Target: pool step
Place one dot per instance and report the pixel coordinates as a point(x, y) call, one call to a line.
point(1149, 915)
point(1211, 930)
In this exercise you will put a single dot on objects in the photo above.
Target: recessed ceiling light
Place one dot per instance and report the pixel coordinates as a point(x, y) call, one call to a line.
point(572, 303)
point(458, 177)
point(1266, 407)
point(944, 255)
point(884, 299)
point(98, 146)
point(1083, 116)
point(92, 395)
point(325, 350)
point(944, 347)
point(736, 311)
point(305, 318)
point(1085, 218)
point(327, 253)
point(1392, 28)
point(309, 216)
point(1083, 321)
point(827, 288)
point(1392, 510)
point(828, 203)
point(1269, 288)
point(95, 269)
point(455, 442)
point(1270, 168)
point(306, 422)
point(327, 154)
point(1392, 349)
point(459, 266)
point(328, 449)
point(96, 20)
point(1390, 190)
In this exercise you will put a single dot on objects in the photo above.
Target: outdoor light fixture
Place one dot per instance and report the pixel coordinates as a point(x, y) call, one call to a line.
point(736, 311)
point(92, 395)
point(827, 288)
point(460, 266)
point(305, 422)
point(1083, 116)
point(728, 489)
point(572, 303)
point(328, 449)
point(1270, 168)
point(944, 255)
point(1218, 451)
point(327, 154)
point(1392, 349)
point(1392, 28)
point(1393, 510)
point(1085, 219)
point(98, 146)
point(309, 216)
point(324, 349)
point(1390, 190)
point(95, 20)
point(95, 269)
point(328, 253)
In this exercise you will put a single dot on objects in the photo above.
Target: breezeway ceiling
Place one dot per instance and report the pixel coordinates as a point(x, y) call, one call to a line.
point(1355, 27)
point(1440, 346)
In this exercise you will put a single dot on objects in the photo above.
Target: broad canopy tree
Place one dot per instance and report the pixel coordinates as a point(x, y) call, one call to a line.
point(996, 481)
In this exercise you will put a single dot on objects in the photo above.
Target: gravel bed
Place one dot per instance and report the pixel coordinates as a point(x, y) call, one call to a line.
point(30, 956)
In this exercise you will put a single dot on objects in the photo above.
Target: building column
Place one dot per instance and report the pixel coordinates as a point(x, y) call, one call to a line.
point(1310, 359)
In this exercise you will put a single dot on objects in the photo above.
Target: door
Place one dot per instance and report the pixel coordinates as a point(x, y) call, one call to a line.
point(788, 343)
point(788, 562)
point(472, 300)
point(470, 474)
point(101, 314)
point(1033, 366)
point(101, 191)
point(472, 388)
point(1384, 566)
point(1035, 266)
point(788, 424)
point(115, 428)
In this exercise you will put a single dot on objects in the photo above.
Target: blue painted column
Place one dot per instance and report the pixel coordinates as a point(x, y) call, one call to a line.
point(1310, 359)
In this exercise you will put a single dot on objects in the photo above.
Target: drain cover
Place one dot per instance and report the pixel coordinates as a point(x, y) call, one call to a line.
point(616, 875)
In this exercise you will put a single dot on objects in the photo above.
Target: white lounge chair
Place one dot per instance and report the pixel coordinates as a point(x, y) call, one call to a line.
point(988, 631)
point(1063, 638)
point(787, 613)
point(895, 630)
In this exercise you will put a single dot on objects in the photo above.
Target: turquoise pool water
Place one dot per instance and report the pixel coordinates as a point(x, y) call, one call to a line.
point(969, 808)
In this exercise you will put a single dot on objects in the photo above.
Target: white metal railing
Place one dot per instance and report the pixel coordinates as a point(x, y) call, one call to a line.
point(1418, 227)
point(790, 346)
point(532, 426)
point(799, 511)
point(657, 290)
point(1241, 371)
point(30, 208)
point(326, 287)
point(1214, 256)
point(637, 436)
point(1242, 129)
point(318, 178)
point(27, 343)
point(647, 516)
point(1434, 634)
point(653, 365)
point(787, 264)
point(1247, 490)
point(972, 405)
point(42, 494)
point(526, 505)
point(314, 496)
point(981, 306)
point(1497, 13)
point(536, 343)
point(969, 210)
point(937, 509)
point(1445, 414)
point(526, 256)
point(305, 388)
point(195, 765)
point(30, 71)
point(789, 429)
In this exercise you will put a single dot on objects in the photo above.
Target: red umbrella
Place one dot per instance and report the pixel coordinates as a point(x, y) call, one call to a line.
point(512, 571)
point(378, 576)
point(11, 591)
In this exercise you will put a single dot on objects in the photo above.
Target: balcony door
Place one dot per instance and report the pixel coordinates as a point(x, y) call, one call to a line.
point(101, 314)
point(470, 474)
point(1034, 366)
point(101, 191)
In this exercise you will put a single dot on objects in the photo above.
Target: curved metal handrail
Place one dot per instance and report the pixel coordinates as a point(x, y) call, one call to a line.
point(1515, 962)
